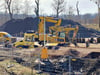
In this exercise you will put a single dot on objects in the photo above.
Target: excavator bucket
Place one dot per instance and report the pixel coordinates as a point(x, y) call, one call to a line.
point(44, 53)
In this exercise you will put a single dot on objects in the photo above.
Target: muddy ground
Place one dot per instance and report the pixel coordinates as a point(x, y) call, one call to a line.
point(24, 57)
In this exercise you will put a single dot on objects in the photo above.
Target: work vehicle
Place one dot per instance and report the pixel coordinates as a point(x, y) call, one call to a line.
point(41, 29)
point(64, 33)
point(28, 41)
point(53, 38)
point(6, 37)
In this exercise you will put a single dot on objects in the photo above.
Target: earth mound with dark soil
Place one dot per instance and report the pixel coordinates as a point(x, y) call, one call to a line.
point(22, 25)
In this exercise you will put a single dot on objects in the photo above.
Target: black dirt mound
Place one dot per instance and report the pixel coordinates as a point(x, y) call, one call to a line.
point(22, 25)
point(73, 53)
point(93, 55)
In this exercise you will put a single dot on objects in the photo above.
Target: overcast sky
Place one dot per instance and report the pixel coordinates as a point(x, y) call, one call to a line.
point(85, 6)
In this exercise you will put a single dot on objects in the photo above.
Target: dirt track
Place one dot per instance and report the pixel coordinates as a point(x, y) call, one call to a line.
point(82, 49)
point(61, 51)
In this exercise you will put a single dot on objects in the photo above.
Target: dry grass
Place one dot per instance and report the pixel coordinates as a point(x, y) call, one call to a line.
point(93, 26)
point(16, 68)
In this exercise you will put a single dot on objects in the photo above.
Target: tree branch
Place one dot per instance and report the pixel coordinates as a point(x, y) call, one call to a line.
point(58, 6)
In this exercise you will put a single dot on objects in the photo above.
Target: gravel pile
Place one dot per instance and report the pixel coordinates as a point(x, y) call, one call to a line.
point(22, 25)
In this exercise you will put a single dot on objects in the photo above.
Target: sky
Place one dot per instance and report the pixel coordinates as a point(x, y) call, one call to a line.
point(85, 6)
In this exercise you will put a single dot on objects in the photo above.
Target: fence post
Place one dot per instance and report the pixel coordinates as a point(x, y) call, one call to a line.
point(69, 65)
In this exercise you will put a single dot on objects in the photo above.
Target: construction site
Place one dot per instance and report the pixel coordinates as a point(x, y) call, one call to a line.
point(49, 45)
point(56, 51)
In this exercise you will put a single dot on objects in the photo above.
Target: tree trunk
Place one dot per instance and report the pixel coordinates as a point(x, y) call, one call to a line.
point(8, 2)
point(10, 13)
point(37, 8)
point(11, 16)
point(99, 15)
point(57, 15)
point(77, 8)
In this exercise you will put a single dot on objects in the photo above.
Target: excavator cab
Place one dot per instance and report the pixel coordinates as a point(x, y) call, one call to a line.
point(29, 38)
point(57, 37)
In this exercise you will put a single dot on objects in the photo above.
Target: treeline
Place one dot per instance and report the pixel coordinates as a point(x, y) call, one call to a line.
point(84, 19)
point(19, 9)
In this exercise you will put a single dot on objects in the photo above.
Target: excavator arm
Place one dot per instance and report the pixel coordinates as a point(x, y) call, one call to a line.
point(41, 24)
point(67, 30)
point(55, 29)
point(51, 19)
point(47, 19)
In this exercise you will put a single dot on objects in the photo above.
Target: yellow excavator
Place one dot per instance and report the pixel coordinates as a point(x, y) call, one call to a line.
point(41, 26)
point(63, 32)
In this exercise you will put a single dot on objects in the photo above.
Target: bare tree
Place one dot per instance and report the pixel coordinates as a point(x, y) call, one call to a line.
point(16, 6)
point(26, 8)
point(27, 5)
point(58, 6)
point(78, 11)
point(98, 5)
point(8, 7)
point(70, 12)
point(36, 10)
point(77, 7)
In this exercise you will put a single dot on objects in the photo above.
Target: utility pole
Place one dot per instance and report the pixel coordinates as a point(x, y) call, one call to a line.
point(97, 2)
